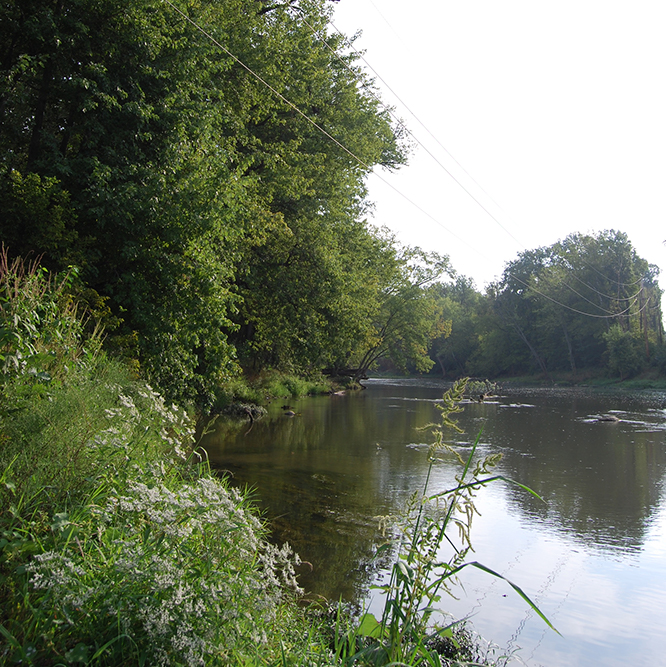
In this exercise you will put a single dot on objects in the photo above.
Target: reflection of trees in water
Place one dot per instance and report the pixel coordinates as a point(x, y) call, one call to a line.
point(601, 481)
point(324, 475)
point(322, 478)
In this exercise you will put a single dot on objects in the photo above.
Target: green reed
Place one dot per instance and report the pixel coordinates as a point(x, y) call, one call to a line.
point(406, 634)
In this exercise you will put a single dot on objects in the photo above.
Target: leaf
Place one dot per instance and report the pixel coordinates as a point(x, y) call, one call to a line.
point(369, 627)
point(515, 588)
point(9, 637)
point(406, 571)
point(60, 520)
point(381, 550)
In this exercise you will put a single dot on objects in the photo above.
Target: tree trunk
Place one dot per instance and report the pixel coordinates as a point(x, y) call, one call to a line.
point(535, 354)
point(572, 361)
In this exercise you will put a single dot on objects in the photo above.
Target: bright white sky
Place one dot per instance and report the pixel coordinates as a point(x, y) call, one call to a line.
point(556, 109)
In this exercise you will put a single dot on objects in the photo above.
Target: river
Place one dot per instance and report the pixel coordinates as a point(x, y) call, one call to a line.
point(592, 556)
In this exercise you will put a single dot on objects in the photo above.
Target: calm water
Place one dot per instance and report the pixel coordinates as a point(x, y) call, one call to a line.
point(593, 556)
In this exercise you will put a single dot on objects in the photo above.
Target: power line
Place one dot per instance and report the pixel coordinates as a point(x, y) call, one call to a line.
point(366, 166)
point(402, 124)
point(310, 120)
point(608, 296)
point(418, 141)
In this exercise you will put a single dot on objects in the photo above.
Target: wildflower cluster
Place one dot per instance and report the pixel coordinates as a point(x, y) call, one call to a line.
point(179, 567)
point(118, 546)
point(140, 409)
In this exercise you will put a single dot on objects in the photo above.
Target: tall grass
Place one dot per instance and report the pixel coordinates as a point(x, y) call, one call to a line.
point(406, 633)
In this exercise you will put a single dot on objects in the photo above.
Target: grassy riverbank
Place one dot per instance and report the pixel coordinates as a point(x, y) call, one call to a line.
point(263, 388)
point(119, 546)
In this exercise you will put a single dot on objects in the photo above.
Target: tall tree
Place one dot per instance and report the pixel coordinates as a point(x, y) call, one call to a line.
point(559, 302)
point(156, 161)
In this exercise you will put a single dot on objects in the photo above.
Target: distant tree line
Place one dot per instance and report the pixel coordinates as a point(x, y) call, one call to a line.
point(587, 303)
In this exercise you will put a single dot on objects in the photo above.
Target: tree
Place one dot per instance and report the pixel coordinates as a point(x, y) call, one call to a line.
point(138, 149)
point(407, 316)
point(554, 306)
point(463, 306)
point(623, 358)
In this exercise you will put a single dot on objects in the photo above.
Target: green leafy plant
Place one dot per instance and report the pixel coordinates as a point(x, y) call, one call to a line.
point(406, 633)
point(118, 546)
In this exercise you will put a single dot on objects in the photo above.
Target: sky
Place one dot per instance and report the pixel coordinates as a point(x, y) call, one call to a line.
point(551, 115)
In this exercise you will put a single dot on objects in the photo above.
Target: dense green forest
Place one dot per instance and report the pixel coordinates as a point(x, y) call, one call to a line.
point(587, 305)
point(202, 167)
point(215, 225)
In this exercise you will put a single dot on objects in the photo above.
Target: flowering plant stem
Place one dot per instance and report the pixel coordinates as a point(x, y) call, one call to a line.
point(405, 633)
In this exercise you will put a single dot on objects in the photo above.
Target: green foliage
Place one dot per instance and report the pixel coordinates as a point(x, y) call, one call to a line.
point(39, 324)
point(552, 310)
point(117, 544)
point(623, 357)
point(407, 316)
point(38, 218)
point(463, 306)
point(211, 215)
point(278, 385)
point(158, 569)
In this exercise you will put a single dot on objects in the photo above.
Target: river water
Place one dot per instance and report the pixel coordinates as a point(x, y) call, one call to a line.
point(593, 556)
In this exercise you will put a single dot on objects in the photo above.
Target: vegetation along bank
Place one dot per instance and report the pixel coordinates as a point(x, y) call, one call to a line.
point(189, 237)
point(217, 232)
point(119, 546)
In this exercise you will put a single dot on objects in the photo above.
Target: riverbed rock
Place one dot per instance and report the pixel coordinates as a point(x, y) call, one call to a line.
point(607, 418)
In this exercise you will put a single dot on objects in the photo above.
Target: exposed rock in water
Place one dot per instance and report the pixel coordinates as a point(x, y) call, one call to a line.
point(249, 410)
point(607, 418)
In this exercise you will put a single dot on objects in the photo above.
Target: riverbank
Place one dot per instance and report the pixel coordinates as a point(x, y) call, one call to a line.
point(118, 543)
point(649, 380)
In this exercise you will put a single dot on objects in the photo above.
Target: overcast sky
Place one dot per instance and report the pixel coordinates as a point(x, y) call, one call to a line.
point(557, 110)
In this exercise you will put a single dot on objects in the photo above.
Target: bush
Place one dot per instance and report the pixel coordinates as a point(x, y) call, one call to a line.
point(118, 546)
point(280, 385)
point(623, 357)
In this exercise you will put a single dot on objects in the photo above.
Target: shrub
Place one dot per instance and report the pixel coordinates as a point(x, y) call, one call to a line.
point(117, 544)
point(623, 357)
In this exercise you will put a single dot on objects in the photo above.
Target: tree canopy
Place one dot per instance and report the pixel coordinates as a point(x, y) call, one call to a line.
point(586, 302)
point(151, 145)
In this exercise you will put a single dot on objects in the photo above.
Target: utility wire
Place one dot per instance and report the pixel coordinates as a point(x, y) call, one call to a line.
point(596, 305)
point(360, 55)
point(404, 126)
point(310, 120)
point(608, 296)
point(366, 166)
point(418, 120)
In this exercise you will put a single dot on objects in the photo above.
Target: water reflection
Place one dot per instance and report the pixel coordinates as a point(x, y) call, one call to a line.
point(323, 475)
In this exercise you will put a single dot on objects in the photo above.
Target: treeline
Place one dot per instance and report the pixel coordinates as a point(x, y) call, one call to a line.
point(587, 304)
point(212, 226)
point(215, 229)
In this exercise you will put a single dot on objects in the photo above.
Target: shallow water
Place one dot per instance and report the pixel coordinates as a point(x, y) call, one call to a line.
point(593, 556)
